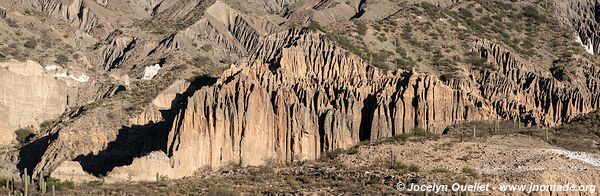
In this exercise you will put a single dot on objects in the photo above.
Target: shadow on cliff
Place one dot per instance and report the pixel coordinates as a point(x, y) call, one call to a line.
point(139, 140)
point(31, 154)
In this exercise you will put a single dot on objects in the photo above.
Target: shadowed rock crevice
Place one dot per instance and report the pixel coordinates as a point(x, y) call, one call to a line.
point(140, 140)
point(31, 154)
point(361, 9)
point(367, 112)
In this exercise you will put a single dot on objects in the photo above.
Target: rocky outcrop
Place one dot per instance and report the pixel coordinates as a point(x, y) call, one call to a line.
point(77, 12)
point(517, 91)
point(296, 96)
point(29, 96)
point(331, 11)
point(110, 144)
point(278, 6)
point(117, 50)
point(299, 95)
point(313, 98)
point(309, 97)
point(102, 2)
point(72, 171)
point(582, 15)
point(2, 12)
point(149, 5)
point(224, 27)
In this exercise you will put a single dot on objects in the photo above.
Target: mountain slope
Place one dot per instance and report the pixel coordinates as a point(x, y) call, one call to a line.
point(177, 86)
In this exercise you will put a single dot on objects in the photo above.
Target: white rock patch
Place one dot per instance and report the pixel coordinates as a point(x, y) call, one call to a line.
point(589, 47)
point(150, 72)
point(581, 156)
point(59, 72)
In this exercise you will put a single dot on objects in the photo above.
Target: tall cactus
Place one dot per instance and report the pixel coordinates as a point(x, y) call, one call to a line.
point(497, 127)
point(26, 180)
point(42, 185)
point(12, 185)
point(26, 187)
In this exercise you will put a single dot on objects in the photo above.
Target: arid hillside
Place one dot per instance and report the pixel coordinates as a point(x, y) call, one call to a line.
point(124, 91)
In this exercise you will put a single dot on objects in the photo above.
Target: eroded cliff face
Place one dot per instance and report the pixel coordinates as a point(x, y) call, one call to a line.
point(537, 98)
point(583, 15)
point(28, 97)
point(313, 98)
point(77, 12)
point(294, 97)
point(308, 97)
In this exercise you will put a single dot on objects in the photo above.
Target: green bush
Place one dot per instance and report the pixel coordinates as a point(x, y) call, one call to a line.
point(473, 58)
point(413, 168)
point(3, 180)
point(402, 137)
point(24, 134)
point(361, 28)
point(353, 151)
point(420, 132)
point(314, 25)
point(433, 11)
point(333, 154)
point(469, 171)
point(31, 44)
point(475, 25)
point(439, 170)
point(402, 63)
point(62, 59)
point(531, 12)
point(464, 13)
point(399, 166)
point(46, 125)
point(200, 61)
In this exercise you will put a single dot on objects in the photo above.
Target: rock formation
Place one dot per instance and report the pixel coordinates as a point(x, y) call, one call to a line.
point(29, 97)
point(305, 96)
point(582, 15)
point(77, 12)
point(2, 12)
point(116, 51)
point(294, 94)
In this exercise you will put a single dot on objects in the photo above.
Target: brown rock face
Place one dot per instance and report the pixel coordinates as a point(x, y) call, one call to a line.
point(8, 135)
point(515, 91)
point(583, 16)
point(295, 97)
point(312, 97)
point(28, 97)
point(78, 13)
